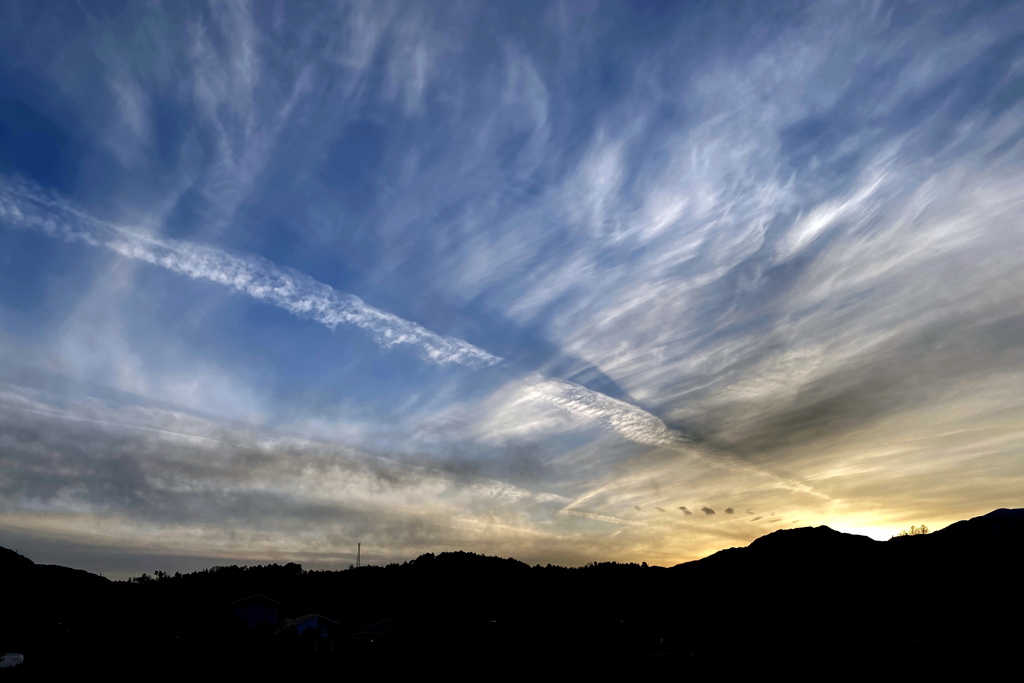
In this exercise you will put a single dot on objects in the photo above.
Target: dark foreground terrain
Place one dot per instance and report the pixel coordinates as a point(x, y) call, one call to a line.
point(808, 602)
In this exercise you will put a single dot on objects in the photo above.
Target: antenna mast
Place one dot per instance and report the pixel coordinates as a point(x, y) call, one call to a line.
point(359, 552)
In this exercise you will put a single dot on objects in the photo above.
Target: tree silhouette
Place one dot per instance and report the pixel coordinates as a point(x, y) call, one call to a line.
point(913, 531)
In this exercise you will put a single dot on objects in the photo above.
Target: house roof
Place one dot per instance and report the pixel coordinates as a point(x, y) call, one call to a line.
point(254, 597)
point(306, 617)
point(376, 630)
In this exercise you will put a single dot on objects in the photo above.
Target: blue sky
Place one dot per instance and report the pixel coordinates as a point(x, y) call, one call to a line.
point(564, 281)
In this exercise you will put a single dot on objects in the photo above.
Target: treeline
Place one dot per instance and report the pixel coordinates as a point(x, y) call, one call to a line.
point(274, 572)
point(792, 600)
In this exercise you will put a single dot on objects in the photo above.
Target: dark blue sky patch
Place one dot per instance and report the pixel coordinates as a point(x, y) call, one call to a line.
point(188, 215)
point(353, 165)
point(35, 146)
point(171, 123)
point(42, 281)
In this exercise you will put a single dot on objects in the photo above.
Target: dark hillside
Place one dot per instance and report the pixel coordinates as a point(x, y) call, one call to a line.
point(797, 600)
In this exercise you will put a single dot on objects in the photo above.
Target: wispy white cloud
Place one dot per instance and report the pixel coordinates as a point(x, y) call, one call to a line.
point(245, 89)
point(189, 485)
point(827, 215)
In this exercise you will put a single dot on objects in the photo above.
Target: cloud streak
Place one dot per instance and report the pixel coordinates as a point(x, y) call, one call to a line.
point(631, 422)
point(26, 207)
point(151, 471)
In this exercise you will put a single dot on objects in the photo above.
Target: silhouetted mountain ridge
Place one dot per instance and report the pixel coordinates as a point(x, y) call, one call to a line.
point(1002, 523)
point(801, 541)
point(14, 562)
point(999, 531)
point(785, 595)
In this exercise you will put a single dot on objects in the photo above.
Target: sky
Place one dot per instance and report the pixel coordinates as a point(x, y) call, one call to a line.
point(568, 282)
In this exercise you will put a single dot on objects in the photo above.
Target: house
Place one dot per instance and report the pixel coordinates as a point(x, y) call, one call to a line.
point(309, 634)
point(255, 609)
point(385, 636)
point(374, 633)
point(311, 625)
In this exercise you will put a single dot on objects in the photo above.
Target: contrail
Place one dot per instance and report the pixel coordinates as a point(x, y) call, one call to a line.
point(26, 207)
point(631, 422)
point(639, 426)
